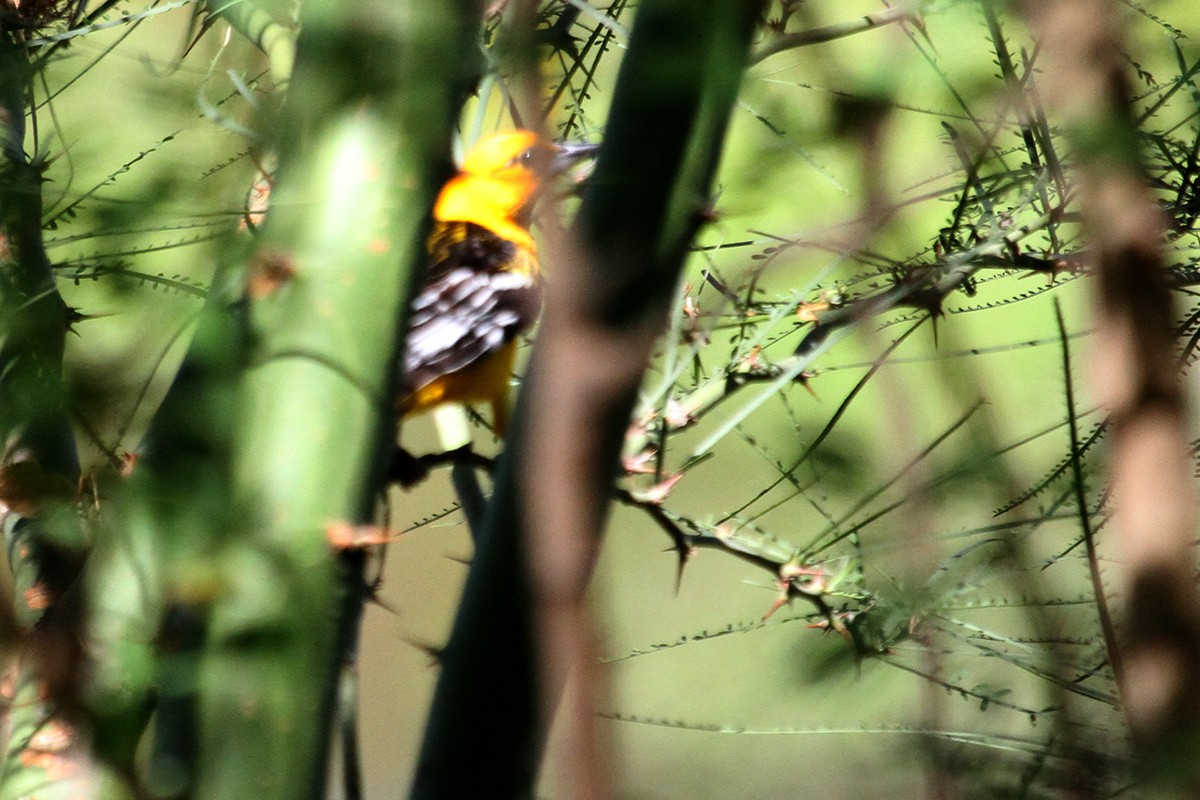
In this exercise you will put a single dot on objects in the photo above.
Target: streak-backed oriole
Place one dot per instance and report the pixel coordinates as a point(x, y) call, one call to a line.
point(481, 284)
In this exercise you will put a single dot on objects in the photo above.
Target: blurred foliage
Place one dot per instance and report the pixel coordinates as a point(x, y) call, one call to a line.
point(854, 441)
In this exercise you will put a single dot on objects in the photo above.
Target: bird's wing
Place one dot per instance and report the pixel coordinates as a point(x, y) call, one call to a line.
point(479, 293)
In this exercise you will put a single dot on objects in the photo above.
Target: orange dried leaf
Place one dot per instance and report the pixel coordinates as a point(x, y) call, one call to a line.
point(639, 463)
point(657, 493)
point(344, 536)
point(809, 312)
point(268, 271)
point(37, 597)
point(128, 463)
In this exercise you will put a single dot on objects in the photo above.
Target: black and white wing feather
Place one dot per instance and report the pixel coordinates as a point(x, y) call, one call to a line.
point(472, 303)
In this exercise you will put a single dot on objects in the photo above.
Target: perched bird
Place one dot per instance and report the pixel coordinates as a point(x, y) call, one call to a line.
point(481, 285)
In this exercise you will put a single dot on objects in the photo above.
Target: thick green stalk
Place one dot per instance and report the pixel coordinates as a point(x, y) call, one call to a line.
point(371, 103)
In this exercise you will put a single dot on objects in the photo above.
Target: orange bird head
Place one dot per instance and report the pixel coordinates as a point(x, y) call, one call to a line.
point(498, 183)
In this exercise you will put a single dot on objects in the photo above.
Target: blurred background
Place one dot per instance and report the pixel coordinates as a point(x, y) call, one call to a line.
point(958, 437)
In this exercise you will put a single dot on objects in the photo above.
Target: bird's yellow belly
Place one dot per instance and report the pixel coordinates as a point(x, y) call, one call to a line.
point(486, 380)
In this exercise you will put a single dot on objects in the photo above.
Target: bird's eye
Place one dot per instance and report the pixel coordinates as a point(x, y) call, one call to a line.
point(524, 158)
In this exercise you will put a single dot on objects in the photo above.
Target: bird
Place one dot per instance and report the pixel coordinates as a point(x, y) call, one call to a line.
point(481, 287)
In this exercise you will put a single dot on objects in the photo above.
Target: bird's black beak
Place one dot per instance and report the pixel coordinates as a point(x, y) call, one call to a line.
point(568, 154)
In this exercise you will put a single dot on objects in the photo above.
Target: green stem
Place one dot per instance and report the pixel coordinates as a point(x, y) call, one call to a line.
point(361, 156)
point(276, 41)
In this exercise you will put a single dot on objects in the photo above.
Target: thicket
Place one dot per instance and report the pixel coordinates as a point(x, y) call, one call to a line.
point(887, 310)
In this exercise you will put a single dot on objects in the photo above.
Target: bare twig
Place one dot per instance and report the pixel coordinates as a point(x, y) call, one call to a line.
point(1084, 513)
point(790, 41)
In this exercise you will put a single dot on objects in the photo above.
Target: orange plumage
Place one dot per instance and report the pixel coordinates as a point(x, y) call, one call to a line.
point(481, 286)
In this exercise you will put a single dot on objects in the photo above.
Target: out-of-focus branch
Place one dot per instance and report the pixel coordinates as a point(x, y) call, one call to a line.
point(618, 276)
point(39, 469)
point(1136, 372)
point(34, 427)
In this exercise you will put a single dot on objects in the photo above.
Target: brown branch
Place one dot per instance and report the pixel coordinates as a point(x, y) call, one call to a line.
point(605, 309)
point(1138, 379)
